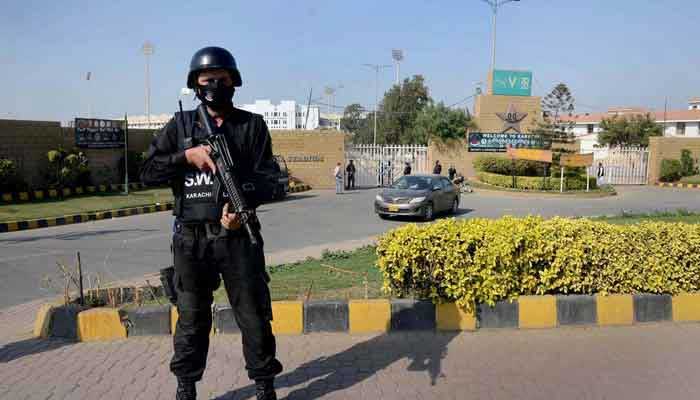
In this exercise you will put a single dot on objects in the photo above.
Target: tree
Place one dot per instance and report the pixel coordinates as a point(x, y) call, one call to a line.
point(439, 121)
point(633, 130)
point(399, 109)
point(558, 102)
point(557, 133)
point(353, 118)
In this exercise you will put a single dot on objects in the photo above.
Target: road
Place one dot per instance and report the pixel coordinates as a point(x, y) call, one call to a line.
point(131, 247)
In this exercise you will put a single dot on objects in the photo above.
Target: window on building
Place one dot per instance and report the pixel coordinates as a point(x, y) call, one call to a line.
point(590, 128)
point(680, 128)
point(284, 114)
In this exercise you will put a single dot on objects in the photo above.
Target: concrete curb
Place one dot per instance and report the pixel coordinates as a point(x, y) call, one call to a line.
point(679, 185)
point(41, 194)
point(380, 316)
point(299, 188)
point(79, 218)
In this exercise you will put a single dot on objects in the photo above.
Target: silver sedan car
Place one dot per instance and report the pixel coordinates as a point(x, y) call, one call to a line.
point(419, 196)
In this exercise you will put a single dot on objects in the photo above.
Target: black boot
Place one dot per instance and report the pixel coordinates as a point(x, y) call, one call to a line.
point(265, 390)
point(186, 390)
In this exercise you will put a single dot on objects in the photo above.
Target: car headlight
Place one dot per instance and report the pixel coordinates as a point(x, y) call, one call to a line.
point(379, 198)
point(417, 200)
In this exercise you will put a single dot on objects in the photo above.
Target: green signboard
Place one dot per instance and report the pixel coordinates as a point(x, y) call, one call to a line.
point(499, 142)
point(512, 83)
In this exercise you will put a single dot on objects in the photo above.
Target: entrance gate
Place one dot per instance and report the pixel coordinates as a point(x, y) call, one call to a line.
point(377, 165)
point(623, 165)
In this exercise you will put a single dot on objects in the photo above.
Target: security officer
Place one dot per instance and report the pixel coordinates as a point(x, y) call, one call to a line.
point(208, 243)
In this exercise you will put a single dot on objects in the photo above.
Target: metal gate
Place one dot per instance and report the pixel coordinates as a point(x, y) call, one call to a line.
point(377, 165)
point(622, 165)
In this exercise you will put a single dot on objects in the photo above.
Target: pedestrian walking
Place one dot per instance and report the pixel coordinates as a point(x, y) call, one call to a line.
point(437, 169)
point(600, 175)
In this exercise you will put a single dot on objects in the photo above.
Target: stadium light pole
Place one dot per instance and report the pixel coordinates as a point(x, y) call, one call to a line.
point(148, 50)
point(397, 55)
point(494, 4)
point(376, 68)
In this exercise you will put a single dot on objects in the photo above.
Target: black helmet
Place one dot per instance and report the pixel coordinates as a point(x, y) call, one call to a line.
point(211, 58)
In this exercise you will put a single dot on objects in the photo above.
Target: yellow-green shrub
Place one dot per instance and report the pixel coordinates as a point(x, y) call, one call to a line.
point(483, 261)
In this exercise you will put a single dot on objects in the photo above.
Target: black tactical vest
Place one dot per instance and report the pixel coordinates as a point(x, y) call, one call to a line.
point(197, 193)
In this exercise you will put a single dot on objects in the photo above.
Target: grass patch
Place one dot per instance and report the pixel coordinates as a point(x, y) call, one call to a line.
point(691, 180)
point(661, 216)
point(335, 276)
point(83, 204)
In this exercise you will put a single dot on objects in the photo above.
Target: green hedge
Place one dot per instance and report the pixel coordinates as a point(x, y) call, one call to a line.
point(670, 170)
point(535, 183)
point(504, 166)
point(483, 261)
point(693, 180)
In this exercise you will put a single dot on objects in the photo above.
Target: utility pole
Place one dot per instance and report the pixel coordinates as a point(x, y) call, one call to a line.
point(376, 68)
point(148, 50)
point(494, 4)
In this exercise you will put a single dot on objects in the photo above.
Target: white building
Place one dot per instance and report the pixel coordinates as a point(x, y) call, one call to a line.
point(285, 115)
point(143, 122)
point(682, 123)
point(330, 121)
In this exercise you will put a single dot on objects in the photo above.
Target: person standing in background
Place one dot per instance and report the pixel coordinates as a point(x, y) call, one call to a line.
point(407, 169)
point(338, 174)
point(350, 170)
point(600, 176)
point(451, 172)
point(437, 170)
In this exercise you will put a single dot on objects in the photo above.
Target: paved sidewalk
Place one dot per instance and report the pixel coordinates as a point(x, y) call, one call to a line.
point(658, 361)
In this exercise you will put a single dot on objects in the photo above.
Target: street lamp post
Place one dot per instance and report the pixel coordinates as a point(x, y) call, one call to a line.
point(494, 4)
point(376, 68)
point(148, 50)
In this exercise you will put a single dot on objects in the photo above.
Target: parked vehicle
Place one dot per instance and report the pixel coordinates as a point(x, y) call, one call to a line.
point(282, 186)
point(421, 196)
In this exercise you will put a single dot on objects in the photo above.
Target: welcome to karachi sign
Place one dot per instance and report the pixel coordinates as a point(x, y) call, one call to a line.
point(99, 133)
point(499, 142)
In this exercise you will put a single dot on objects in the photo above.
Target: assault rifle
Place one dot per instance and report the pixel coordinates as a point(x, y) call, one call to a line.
point(221, 156)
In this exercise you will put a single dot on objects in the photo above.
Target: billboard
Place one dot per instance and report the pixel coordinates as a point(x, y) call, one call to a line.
point(512, 83)
point(99, 133)
point(499, 142)
point(530, 154)
point(577, 160)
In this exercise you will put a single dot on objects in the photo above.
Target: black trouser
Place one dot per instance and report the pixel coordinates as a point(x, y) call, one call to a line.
point(351, 182)
point(200, 262)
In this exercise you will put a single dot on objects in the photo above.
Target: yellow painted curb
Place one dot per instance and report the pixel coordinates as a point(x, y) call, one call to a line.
point(66, 191)
point(42, 321)
point(12, 226)
point(23, 196)
point(32, 224)
point(451, 317)
point(79, 190)
point(288, 317)
point(7, 197)
point(53, 192)
point(51, 222)
point(69, 219)
point(537, 312)
point(100, 324)
point(369, 316)
point(173, 319)
point(38, 194)
point(686, 307)
point(615, 309)
point(90, 189)
point(102, 188)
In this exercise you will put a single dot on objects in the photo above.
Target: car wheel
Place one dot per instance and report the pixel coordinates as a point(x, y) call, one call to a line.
point(383, 216)
point(455, 206)
point(428, 212)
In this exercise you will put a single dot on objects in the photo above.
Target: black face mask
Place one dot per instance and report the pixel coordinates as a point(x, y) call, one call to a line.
point(215, 93)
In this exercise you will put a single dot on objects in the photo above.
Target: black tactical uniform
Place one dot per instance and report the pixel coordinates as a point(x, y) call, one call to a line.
point(204, 251)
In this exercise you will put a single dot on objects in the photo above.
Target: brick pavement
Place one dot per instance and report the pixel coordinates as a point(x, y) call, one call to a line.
point(657, 361)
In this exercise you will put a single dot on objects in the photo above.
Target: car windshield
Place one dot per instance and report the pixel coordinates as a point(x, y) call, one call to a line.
point(413, 183)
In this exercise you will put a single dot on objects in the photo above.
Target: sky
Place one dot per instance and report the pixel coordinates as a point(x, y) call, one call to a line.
point(609, 52)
